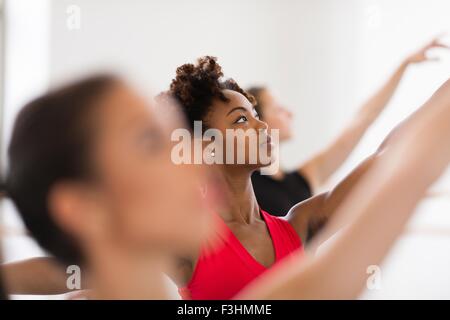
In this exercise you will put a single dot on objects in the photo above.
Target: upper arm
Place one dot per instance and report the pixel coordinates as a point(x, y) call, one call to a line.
point(180, 271)
point(309, 216)
point(181, 268)
point(40, 276)
point(300, 216)
point(309, 170)
point(324, 164)
point(335, 197)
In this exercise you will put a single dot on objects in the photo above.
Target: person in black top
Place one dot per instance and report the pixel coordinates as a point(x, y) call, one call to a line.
point(278, 193)
point(278, 196)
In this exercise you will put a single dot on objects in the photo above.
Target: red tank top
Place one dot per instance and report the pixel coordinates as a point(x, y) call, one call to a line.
point(227, 267)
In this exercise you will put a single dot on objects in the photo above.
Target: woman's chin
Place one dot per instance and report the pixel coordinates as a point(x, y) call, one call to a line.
point(286, 135)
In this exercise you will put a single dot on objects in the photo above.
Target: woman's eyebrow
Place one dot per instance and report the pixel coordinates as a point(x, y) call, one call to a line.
point(237, 108)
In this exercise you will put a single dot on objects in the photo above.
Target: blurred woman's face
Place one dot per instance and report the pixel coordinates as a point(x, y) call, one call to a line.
point(238, 116)
point(153, 202)
point(276, 115)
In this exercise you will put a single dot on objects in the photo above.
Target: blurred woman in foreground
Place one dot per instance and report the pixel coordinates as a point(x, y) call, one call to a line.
point(91, 175)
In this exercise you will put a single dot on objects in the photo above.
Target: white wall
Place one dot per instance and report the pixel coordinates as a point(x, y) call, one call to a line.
point(387, 33)
point(289, 45)
point(323, 58)
point(26, 75)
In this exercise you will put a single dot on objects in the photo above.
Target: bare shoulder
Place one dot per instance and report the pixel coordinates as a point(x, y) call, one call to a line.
point(180, 267)
point(301, 214)
point(180, 271)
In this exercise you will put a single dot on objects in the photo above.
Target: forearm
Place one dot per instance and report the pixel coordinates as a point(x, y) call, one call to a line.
point(426, 115)
point(323, 165)
point(340, 272)
point(381, 213)
point(319, 169)
point(370, 110)
point(309, 217)
point(438, 104)
point(40, 276)
point(331, 201)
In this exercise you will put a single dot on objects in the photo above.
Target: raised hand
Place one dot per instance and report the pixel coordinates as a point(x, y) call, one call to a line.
point(422, 54)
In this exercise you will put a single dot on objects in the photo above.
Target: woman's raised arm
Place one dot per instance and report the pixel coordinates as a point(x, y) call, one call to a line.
point(379, 205)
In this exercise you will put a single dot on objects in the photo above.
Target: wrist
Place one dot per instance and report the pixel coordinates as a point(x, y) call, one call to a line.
point(407, 62)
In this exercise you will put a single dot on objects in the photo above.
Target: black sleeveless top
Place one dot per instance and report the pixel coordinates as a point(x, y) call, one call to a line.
point(279, 196)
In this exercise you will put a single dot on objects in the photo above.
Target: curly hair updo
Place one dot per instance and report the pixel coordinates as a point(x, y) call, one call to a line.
point(195, 87)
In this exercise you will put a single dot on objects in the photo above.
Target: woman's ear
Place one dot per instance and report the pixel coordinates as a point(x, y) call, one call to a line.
point(74, 209)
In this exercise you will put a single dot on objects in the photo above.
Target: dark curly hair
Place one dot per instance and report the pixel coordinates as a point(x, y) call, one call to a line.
point(195, 87)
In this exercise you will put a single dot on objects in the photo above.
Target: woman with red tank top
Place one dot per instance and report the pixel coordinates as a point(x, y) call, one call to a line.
point(249, 240)
point(226, 267)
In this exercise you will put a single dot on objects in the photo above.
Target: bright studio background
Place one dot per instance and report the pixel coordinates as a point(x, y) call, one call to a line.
point(322, 58)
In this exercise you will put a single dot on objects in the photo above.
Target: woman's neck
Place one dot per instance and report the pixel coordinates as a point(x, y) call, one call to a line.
point(117, 273)
point(241, 204)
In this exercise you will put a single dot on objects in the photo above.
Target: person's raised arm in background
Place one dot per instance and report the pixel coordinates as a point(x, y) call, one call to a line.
point(321, 166)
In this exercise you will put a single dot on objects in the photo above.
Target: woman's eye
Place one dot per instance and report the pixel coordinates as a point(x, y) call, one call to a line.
point(241, 119)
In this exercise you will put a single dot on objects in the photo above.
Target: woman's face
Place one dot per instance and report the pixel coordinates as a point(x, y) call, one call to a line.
point(275, 115)
point(148, 200)
point(246, 132)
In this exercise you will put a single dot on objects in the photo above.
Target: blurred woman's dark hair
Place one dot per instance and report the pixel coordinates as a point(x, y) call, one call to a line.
point(50, 143)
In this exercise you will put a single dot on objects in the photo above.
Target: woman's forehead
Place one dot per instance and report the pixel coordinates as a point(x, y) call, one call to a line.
point(237, 99)
point(123, 109)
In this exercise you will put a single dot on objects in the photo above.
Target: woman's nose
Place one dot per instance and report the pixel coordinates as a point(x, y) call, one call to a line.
point(261, 125)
